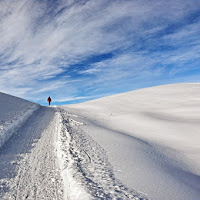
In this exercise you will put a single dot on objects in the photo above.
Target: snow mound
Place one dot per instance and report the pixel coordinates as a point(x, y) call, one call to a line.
point(166, 115)
point(13, 112)
point(154, 132)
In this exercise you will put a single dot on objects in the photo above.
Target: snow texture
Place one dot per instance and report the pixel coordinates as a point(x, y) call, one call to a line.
point(138, 145)
point(151, 138)
point(29, 166)
point(13, 112)
point(90, 167)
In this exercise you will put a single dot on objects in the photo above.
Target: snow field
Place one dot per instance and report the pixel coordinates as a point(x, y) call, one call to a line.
point(111, 148)
point(167, 116)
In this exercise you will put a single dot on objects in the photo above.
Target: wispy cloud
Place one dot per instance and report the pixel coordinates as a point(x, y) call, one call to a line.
point(70, 99)
point(50, 47)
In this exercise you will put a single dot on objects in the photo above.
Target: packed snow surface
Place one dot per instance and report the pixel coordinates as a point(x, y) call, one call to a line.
point(151, 137)
point(28, 164)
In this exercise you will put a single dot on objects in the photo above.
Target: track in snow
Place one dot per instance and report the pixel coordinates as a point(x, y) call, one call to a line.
point(28, 167)
point(91, 165)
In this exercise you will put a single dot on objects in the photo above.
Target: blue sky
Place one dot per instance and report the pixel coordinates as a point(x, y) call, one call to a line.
point(78, 50)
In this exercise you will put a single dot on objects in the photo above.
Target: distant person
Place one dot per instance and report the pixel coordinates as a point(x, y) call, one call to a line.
point(49, 100)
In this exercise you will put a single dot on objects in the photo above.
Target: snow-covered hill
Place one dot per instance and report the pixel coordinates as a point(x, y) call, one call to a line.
point(13, 112)
point(151, 137)
point(142, 145)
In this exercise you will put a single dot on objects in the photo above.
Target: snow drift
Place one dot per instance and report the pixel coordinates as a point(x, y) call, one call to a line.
point(151, 137)
point(13, 112)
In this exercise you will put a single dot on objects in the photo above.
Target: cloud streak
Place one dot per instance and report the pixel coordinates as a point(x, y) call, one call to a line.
point(51, 47)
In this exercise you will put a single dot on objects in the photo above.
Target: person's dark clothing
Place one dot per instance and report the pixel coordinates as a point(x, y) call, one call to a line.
point(49, 100)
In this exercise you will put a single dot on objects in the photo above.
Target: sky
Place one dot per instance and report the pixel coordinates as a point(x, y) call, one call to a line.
point(78, 50)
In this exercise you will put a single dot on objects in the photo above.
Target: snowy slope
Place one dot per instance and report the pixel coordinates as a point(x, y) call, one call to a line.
point(151, 137)
point(138, 145)
point(13, 112)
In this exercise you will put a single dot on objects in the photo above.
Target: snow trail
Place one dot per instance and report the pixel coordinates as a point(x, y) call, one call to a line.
point(91, 167)
point(29, 168)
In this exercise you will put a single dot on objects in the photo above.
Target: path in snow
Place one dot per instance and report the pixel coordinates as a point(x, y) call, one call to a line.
point(91, 167)
point(29, 169)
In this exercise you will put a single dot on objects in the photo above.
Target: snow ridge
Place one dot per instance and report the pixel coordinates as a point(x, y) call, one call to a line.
point(91, 165)
point(7, 128)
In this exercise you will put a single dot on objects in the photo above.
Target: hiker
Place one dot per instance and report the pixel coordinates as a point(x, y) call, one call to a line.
point(49, 100)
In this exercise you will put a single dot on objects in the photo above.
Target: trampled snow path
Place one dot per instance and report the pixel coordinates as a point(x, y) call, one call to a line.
point(28, 167)
point(90, 165)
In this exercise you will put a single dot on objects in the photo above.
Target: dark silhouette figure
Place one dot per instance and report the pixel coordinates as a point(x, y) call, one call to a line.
point(49, 100)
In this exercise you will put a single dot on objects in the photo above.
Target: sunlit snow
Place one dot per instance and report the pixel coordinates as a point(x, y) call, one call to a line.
point(142, 144)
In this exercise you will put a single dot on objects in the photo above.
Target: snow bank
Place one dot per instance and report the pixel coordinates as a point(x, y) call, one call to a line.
point(164, 121)
point(13, 112)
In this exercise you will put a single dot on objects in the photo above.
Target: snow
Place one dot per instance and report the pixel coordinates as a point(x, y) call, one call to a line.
point(87, 171)
point(138, 145)
point(73, 188)
point(13, 112)
point(151, 137)
point(29, 166)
